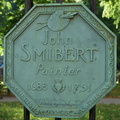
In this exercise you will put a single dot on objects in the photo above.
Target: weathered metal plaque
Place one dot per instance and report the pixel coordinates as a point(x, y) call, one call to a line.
point(60, 60)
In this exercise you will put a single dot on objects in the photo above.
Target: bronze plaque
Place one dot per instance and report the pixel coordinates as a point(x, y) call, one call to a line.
point(60, 60)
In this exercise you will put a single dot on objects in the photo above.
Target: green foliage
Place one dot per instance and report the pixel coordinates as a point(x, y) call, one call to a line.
point(41, 1)
point(111, 9)
point(10, 13)
point(1, 45)
point(1, 86)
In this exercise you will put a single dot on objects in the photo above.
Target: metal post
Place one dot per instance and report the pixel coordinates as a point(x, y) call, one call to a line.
point(28, 6)
point(92, 112)
point(93, 6)
point(26, 114)
point(57, 118)
point(58, 1)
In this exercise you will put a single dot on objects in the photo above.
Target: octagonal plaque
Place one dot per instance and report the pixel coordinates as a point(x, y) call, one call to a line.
point(60, 60)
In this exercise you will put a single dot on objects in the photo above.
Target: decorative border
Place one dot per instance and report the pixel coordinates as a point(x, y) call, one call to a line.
point(91, 19)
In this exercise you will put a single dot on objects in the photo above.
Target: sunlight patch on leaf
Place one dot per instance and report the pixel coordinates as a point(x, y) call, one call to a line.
point(111, 10)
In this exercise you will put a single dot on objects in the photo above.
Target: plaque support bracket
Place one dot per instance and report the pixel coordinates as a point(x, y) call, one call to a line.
point(26, 114)
point(57, 118)
point(92, 112)
point(28, 6)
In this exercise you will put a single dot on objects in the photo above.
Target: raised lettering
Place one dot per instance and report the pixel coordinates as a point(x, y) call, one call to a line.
point(72, 72)
point(46, 38)
point(51, 71)
point(60, 39)
point(26, 51)
point(58, 54)
point(40, 67)
point(52, 41)
point(69, 41)
point(66, 54)
point(69, 54)
point(41, 53)
point(65, 70)
point(78, 88)
point(37, 86)
point(57, 71)
point(78, 71)
point(92, 50)
point(80, 53)
point(57, 39)
point(50, 54)
point(44, 71)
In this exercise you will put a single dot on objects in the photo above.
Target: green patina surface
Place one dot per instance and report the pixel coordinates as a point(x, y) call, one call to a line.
point(60, 60)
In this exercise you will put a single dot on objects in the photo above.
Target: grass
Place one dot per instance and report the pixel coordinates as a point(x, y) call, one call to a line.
point(114, 93)
point(14, 111)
